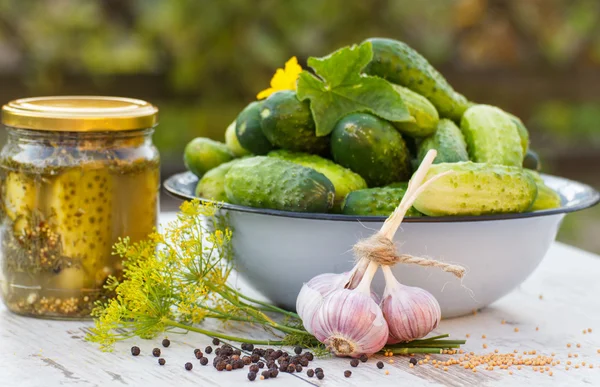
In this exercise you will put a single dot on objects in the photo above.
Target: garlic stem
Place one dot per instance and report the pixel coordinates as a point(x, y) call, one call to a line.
point(365, 283)
point(357, 273)
point(391, 282)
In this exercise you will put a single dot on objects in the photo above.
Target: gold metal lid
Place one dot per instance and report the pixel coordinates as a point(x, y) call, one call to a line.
point(80, 114)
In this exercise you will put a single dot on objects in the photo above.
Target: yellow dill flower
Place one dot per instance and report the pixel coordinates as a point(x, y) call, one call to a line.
point(284, 79)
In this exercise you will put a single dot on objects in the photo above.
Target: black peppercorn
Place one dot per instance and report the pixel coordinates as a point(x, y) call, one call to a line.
point(266, 374)
point(317, 370)
point(309, 356)
point(380, 364)
point(156, 352)
point(240, 363)
point(310, 372)
point(270, 364)
point(298, 368)
point(188, 366)
point(254, 368)
point(284, 365)
point(291, 368)
point(166, 343)
point(249, 347)
point(364, 358)
point(135, 350)
point(221, 366)
point(216, 341)
point(413, 361)
point(246, 360)
point(204, 361)
point(298, 350)
point(274, 373)
point(260, 364)
point(354, 362)
point(237, 352)
point(251, 376)
point(198, 354)
point(228, 367)
point(320, 375)
point(347, 373)
point(303, 362)
point(208, 349)
point(161, 361)
point(196, 351)
point(255, 358)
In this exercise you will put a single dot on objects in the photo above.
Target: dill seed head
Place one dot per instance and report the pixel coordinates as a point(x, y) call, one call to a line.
point(166, 343)
point(135, 351)
point(188, 366)
point(161, 361)
point(156, 352)
point(380, 364)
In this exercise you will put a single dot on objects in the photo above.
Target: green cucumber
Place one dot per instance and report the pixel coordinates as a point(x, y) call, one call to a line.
point(233, 143)
point(249, 132)
point(381, 201)
point(212, 185)
point(448, 141)
point(343, 179)
point(546, 197)
point(492, 136)
point(371, 147)
point(532, 160)
point(269, 182)
point(523, 132)
point(476, 189)
point(287, 123)
point(399, 63)
point(203, 154)
point(423, 114)
point(399, 184)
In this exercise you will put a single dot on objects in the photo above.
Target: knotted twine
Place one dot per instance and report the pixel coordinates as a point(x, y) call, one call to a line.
point(380, 247)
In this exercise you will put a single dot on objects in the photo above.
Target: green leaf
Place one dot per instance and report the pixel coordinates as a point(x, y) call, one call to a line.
point(340, 89)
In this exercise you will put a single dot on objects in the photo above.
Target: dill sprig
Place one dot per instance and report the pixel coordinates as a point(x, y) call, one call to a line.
point(176, 279)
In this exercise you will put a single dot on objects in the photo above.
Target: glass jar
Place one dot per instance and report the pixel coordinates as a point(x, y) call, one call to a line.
point(76, 174)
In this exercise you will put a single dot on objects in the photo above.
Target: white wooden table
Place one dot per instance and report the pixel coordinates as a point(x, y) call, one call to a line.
point(551, 309)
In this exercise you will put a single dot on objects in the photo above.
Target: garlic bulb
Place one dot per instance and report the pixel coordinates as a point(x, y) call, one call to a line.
point(411, 312)
point(349, 322)
point(312, 293)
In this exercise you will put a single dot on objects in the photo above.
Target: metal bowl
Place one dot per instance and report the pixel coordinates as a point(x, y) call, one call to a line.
point(277, 251)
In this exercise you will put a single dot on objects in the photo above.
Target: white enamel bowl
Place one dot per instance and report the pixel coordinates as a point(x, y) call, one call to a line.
point(277, 251)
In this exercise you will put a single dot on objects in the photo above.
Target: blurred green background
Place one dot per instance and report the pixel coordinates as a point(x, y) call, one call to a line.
point(202, 61)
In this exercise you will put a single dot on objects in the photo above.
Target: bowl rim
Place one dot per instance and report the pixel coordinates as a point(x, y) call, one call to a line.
point(594, 198)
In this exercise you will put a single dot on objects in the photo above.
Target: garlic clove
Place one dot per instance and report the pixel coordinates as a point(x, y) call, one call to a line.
point(350, 324)
point(311, 295)
point(411, 312)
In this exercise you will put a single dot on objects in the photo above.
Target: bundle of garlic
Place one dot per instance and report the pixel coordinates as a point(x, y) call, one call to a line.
point(342, 312)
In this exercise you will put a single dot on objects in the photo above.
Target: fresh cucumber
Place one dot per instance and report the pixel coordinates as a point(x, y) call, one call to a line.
point(476, 189)
point(448, 141)
point(343, 179)
point(269, 182)
point(399, 63)
point(371, 147)
point(287, 123)
point(381, 201)
point(203, 154)
point(233, 143)
point(249, 132)
point(212, 185)
point(423, 114)
point(491, 136)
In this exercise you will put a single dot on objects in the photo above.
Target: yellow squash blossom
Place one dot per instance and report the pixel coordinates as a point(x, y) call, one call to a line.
point(284, 79)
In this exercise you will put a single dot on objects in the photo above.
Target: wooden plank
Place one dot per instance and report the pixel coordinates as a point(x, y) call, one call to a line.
point(35, 352)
